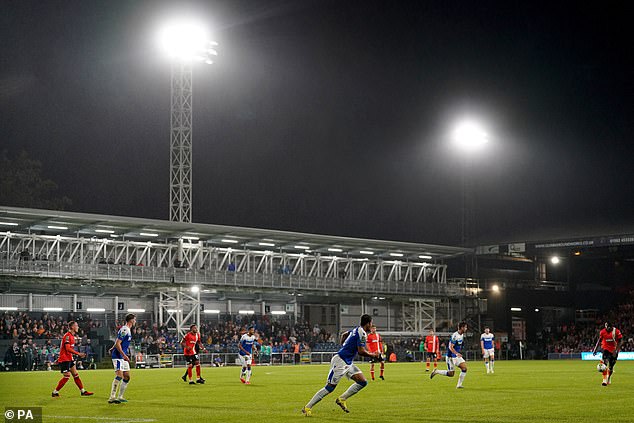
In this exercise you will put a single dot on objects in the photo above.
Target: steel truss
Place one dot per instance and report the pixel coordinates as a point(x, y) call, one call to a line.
point(419, 315)
point(181, 143)
point(178, 310)
point(197, 256)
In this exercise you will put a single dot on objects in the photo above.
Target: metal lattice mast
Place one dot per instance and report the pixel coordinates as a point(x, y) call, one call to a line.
point(181, 143)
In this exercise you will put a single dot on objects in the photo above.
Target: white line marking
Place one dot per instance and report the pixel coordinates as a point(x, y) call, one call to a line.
point(106, 419)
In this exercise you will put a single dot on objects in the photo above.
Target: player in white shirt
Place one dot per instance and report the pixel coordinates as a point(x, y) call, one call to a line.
point(488, 349)
point(454, 356)
point(247, 348)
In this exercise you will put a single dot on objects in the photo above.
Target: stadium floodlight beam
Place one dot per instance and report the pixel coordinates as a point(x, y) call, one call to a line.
point(185, 42)
point(470, 135)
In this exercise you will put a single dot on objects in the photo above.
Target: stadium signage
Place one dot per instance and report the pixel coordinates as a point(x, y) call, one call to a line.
point(623, 355)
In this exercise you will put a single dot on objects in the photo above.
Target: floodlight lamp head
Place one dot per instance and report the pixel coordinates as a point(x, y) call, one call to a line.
point(187, 41)
point(470, 135)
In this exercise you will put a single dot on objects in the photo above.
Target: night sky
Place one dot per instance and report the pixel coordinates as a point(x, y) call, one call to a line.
point(333, 117)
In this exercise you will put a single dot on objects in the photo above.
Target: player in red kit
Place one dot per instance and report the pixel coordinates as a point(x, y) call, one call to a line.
point(432, 349)
point(375, 345)
point(610, 339)
point(192, 344)
point(67, 363)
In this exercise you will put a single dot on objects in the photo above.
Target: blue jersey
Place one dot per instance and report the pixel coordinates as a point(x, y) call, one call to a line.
point(247, 343)
point(356, 338)
point(457, 340)
point(487, 340)
point(125, 336)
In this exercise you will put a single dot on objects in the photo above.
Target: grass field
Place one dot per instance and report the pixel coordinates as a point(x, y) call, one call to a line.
point(528, 391)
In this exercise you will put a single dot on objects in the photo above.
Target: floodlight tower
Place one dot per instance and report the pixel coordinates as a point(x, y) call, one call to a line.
point(185, 42)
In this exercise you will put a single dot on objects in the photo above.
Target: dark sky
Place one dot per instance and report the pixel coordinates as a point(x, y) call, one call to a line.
point(333, 116)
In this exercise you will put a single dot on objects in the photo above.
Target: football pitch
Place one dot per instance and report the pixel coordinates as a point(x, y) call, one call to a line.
point(519, 391)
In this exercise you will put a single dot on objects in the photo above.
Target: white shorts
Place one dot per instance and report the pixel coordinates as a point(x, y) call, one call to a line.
point(453, 362)
point(245, 360)
point(490, 352)
point(121, 364)
point(339, 369)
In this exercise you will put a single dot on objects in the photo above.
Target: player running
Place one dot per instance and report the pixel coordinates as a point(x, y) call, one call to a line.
point(247, 349)
point(121, 360)
point(375, 345)
point(488, 350)
point(354, 342)
point(610, 338)
point(432, 349)
point(67, 363)
point(454, 357)
point(192, 344)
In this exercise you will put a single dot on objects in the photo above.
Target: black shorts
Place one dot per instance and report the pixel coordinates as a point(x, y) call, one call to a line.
point(379, 359)
point(430, 355)
point(65, 366)
point(609, 359)
point(192, 359)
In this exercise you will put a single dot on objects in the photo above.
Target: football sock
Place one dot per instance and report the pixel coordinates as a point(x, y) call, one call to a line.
point(372, 370)
point(321, 394)
point(427, 362)
point(115, 385)
point(441, 372)
point(248, 374)
point(353, 389)
point(78, 382)
point(61, 383)
point(198, 371)
point(461, 377)
point(382, 368)
point(491, 364)
point(435, 365)
point(189, 373)
point(243, 373)
point(124, 384)
point(486, 364)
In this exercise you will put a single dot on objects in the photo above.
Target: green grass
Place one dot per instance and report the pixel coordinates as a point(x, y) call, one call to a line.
point(529, 391)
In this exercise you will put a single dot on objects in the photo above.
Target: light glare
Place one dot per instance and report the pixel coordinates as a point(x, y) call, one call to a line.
point(470, 135)
point(184, 39)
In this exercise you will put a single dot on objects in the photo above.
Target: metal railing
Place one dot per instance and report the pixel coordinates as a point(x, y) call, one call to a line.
point(280, 359)
point(143, 274)
point(232, 359)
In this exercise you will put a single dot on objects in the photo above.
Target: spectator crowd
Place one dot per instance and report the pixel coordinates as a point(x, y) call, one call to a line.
point(36, 341)
point(578, 337)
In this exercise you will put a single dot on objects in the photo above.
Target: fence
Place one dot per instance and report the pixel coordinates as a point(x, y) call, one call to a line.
point(278, 359)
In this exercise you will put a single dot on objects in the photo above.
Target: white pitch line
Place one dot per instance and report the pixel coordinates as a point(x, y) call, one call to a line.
point(106, 419)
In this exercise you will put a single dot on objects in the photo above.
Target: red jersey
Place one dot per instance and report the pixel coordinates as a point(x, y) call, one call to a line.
point(191, 341)
point(432, 344)
point(374, 343)
point(67, 348)
point(610, 339)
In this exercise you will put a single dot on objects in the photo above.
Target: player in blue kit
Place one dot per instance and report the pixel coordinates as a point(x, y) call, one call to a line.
point(121, 360)
point(247, 349)
point(488, 350)
point(354, 342)
point(454, 356)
